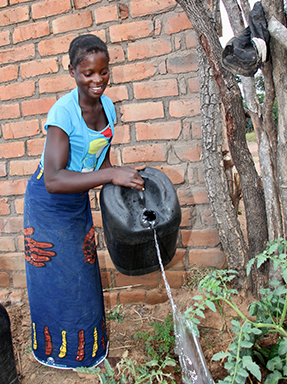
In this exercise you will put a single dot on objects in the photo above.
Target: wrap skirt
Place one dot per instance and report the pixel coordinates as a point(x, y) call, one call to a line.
point(68, 327)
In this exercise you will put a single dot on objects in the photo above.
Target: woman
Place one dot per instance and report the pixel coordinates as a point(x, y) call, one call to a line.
point(63, 278)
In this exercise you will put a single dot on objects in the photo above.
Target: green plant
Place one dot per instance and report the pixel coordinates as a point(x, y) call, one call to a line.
point(116, 314)
point(160, 342)
point(268, 318)
point(108, 377)
point(149, 372)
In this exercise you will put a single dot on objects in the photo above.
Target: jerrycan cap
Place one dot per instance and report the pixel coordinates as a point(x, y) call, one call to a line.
point(149, 218)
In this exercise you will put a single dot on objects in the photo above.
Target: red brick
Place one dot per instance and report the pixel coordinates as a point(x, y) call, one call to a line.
point(107, 279)
point(12, 262)
point(132, 296)
point(144, 153)
point(105, 261)
point(17, 90)
point(132, 72)
point(199, 238)
point(9, 111)
point(12, 2)
point(3, 3)
point(124, 11)
point(131, 31)
point(175, 278)
point(84, 3)
point(8, 73)
point(141, 8)
point(31, 31)
point(116, 54)
point(4, 38)
point(187, 152)
point(165, 130)
point(35, 147)
point(14, 54)
point(56, 84)
point(23, 167)
point(116, 157)
point(50, 7)
point(177, 263)
point(7, 244)
point(177, 23)
point(97, 219)
point(3, 171)
point(193, 85)
point(183, 108)
point(156, 296)
point(150, 281)
point(148, 48)
point(72, 22)
point(196, 130)
point(156, 88)
point(174, 172)
point(190, 197)
point(4, 294)
point(186, 216)
point(12, 187)
point(8, 150)
point(122, 134)
point(117, 93)
point(191, 41)
point(4, 207)
point(19, 207)
point(4, 279)
point(143, 111)
point(183, 63)
point(14, 15)
point(107, 13)
point(16, 297)
point(110, 298)
point(212, 257)
point(20, 129)
point(19, 280)
point(65, 62)
point(37, 106)
point(55, 45)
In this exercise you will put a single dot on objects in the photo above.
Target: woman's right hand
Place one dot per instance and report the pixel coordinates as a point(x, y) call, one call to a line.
point(127, 177)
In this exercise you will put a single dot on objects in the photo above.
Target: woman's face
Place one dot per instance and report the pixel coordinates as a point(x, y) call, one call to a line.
point(92, 74)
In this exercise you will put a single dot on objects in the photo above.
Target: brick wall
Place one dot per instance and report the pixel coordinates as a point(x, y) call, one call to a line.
point(155, 89)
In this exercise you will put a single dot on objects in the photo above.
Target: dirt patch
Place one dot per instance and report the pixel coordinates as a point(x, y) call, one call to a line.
point(214, 330)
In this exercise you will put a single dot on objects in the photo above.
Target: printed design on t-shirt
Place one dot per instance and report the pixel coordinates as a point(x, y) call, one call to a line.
point(63, 348)
point(81, 346)
point(48, 341)
point(96, 147)
point(89, 246)
point(35, 252)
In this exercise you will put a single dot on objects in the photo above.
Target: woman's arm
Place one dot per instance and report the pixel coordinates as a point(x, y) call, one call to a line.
point(60, 180)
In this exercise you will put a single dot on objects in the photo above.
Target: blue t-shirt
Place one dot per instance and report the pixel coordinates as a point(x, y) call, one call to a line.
point(88, 148)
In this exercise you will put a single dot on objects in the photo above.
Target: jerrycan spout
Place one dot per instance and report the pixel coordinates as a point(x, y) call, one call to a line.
point(149, 218)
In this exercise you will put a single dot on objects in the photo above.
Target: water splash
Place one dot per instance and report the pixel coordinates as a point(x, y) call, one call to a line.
point(187, 346)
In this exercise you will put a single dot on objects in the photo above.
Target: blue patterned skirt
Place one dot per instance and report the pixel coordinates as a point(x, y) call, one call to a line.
point(63, 278)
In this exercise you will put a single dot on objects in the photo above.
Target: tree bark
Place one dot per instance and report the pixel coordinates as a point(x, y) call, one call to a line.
point(235, 123)
point(278, 55)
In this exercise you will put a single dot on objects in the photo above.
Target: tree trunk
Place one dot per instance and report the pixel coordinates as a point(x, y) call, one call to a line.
point(235, 123)
point(278, 55)
point(228, 227)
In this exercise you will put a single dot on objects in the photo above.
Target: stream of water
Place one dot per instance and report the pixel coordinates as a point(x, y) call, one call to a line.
point(187, 346)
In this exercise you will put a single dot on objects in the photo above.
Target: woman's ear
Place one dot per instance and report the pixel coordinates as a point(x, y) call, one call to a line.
point(71, 70)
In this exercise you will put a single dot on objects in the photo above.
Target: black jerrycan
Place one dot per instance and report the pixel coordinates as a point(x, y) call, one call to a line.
point(8, 373)
point(130, 218)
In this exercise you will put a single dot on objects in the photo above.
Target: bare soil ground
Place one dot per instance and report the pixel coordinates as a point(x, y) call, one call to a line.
point(214, 330)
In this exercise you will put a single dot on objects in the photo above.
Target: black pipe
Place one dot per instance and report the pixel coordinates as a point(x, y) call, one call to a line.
point(8, 373)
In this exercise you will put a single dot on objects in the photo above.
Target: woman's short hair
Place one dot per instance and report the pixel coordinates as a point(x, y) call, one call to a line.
point(84, 44)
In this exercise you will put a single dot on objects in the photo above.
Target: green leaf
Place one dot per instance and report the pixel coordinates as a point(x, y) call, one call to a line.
point(197, 297)
point(220, 355)
point(210, 305)
point(273, 378)
point(251, 366)
point(282, 346)
point(260, 260)
point(249, 266)
point(284, 275)
point(246, 344)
